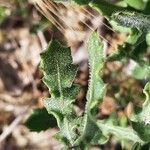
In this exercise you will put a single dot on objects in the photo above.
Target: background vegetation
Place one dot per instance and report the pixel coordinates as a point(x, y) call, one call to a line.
point(99, 102)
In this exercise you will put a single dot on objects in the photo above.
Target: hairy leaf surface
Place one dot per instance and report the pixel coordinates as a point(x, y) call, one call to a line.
point(59, 73)
point(90, 132)
point(96, 61)
point(133, 20)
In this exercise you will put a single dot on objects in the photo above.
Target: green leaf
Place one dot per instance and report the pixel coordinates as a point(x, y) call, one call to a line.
point(92, 133)
point(120, 132)
point(96, 89)
point(133, 47)
point(58, 106)
point(59, 72)
point(141, 121)
point(141, 71)
point(142, 129)
point(130, 49)
point(68, 130)
point(89, 131)
point(134, 36)
point(40, 120)
point(132, 20)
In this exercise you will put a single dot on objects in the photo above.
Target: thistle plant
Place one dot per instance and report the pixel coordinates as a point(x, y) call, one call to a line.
point(81, 131)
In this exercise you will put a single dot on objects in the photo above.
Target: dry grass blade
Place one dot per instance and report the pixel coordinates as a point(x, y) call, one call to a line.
point(13, 125)
point(41, 7)
point(51, 11)
point(88, 12)
point(51, 6)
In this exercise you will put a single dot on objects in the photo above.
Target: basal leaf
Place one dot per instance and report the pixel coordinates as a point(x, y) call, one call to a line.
point(59, 73)
point(68, 129)
point(135, 46)
point(61, 106)
point(96, 87)
point(40, 120)
point(89, 131)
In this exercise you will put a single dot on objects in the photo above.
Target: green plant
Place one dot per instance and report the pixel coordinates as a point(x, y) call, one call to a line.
point(81, 131)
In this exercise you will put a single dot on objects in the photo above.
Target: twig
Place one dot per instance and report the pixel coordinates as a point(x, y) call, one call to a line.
point(12, 126)
point(7, 107)
point(42, 39)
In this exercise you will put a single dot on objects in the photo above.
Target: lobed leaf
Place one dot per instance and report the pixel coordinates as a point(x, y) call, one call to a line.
point(59, 72)
point(96, 87)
